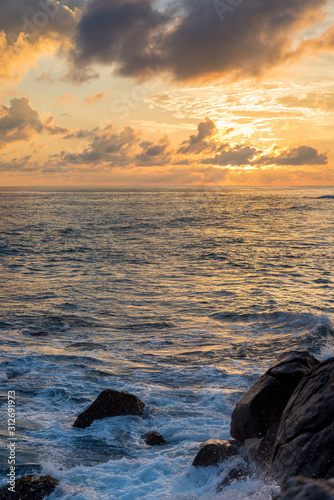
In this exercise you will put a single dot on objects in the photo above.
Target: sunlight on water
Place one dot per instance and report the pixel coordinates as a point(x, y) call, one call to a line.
point(182, 297)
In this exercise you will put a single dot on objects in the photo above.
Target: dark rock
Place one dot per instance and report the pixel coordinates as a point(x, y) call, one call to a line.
point(260, 450)
point(305, 439)
point(251, 448)
point(153, 438)
point(241, 471)
point(110, 404)
point(301, 488)
point(262, 406)
point(29, 488)
point(214, 452)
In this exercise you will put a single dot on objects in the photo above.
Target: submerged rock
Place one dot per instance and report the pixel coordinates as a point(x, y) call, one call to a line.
point(110, 403)
point(301, 488)
point(262, 406)
point(29, 488)
point(153, 438)
point(305, 439)
point(214, 452)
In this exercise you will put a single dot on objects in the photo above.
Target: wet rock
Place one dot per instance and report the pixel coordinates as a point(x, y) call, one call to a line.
point(301, 488)
point(262, 406)
point(305, 439)
point(153, 438)
point(260, 450)
point(110, 403)
point(29, 488)
point(237, 473)
point(214, 452)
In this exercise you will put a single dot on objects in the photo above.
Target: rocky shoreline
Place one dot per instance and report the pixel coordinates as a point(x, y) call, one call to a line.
point(282, 430)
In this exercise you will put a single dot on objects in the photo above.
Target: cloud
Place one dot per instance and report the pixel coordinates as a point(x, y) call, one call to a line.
point(126, 149)
point(156, 154)
point(237, 155)
point(53, 129)
point(119, 157)
point(197, 143)
point(118, 31)
point(302, 155)
point(38, 19)
point(114, 148)
point(30, 29)
point(94, 98)
point(244, 155)
point(191, 40)
point(313, 100)
point(107, 145)
point(21, 122)
point(66, 98)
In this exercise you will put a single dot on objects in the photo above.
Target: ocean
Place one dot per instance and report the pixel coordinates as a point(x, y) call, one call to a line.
point(183, 297)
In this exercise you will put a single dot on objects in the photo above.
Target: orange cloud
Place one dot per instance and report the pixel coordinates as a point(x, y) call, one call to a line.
point(94, 98)
point(66, 98)
point(16, 59)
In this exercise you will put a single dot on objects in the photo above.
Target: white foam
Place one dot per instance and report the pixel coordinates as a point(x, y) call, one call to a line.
point(159, 477)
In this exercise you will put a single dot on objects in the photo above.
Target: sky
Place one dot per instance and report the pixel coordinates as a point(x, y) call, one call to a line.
point(159, 93)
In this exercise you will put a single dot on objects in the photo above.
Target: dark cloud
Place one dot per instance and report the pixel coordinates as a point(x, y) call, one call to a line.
point(37, 18)
point(81, 133)
point(197, 143)
point(118, 149)
point(238, 155)
point(191, 39)
point(242, 155)
point(53, 129)
point(125, 148)
point(303, 155)
point(154, 154)
point(107, 145)
point(20, 122)
point(119, 31)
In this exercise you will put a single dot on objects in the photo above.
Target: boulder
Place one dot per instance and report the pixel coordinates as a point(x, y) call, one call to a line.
point(238, 473)
point(305, 438)
point(262, 406)
point(301, 488)
point(29, 488)
point(260, 450)
point(215, 451)
point(110, 403)
point(153, 438)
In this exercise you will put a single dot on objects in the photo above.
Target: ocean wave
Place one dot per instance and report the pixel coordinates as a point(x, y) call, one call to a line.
point(278, 317)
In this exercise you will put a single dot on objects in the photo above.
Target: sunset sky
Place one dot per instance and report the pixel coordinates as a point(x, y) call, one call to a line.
point(144, 93)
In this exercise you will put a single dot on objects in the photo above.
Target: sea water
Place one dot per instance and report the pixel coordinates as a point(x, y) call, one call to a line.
point(182, 297)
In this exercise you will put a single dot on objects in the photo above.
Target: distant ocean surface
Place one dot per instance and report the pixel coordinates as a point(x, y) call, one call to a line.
point(182, 297)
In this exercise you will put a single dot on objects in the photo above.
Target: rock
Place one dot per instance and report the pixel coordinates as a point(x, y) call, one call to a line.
point(153, 438)
point(305, 439)
point(214, 452)
point(301, 488)
point(29, 488)
point(241, 471)
point(262, 406)
point(260, 450)
point(110, 403)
